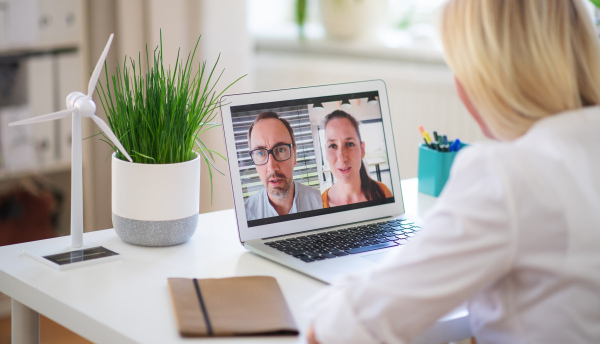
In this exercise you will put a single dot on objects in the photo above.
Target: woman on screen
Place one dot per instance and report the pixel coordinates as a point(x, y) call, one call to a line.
point(344, 150)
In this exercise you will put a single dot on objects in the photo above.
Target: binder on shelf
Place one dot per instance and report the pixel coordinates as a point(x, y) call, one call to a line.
point(18, 152)
point(234, 306)
point(46, 23)
point(13, 80)
point(66, 14)
point(40, 98)
point(31, 23)
point(22, 27)
point(59, 21)
point(69, 79)
point(4, 23)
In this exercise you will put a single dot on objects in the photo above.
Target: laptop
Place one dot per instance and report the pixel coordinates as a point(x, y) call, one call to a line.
point(318, 240)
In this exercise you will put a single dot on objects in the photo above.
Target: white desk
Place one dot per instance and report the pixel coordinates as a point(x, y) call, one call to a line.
point(128, 301)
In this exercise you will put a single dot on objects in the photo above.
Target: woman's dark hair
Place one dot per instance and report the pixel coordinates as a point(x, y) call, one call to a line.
point(369, 187)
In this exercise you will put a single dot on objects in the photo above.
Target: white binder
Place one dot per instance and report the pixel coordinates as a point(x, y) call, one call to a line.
point(18, 152)
point(22, 25)
point(59, 21)
point(4, 23)
point(67, 16)
point(69, 79)
point(40, 98)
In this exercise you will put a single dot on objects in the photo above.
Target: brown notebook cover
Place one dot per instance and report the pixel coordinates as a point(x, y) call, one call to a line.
point(234, 306)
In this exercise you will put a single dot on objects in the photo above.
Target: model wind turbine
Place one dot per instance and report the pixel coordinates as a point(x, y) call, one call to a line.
point(78, 105)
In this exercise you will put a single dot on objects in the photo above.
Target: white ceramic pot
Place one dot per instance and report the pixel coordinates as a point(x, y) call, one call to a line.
point(352, 19)
point(154, 204)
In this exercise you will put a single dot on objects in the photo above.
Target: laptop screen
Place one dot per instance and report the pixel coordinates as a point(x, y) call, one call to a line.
point(312, 156)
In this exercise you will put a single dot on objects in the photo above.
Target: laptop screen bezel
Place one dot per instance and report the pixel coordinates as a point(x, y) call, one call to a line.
point(318, 221)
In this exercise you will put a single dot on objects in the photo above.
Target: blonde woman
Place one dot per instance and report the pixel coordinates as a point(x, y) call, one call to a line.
point(516, 232)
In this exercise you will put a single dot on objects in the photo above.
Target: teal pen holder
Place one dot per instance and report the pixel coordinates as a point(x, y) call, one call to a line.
point(434, 169)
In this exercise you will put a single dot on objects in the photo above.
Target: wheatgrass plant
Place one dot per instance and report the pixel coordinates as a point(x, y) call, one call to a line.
point(159, 117)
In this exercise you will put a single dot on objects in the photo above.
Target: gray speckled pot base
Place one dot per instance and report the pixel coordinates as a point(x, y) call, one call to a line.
point(155, 233)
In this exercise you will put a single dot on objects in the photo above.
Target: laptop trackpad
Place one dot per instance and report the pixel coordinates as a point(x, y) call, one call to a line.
point(379, 257)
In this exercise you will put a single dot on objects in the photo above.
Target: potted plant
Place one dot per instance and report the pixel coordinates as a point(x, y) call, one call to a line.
point(159, 117)
point(352, 19)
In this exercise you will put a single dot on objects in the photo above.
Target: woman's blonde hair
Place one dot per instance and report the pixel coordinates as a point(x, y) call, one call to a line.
point(521, 60)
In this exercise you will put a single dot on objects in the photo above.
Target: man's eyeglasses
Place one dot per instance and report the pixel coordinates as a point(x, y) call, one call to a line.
point(280, 152)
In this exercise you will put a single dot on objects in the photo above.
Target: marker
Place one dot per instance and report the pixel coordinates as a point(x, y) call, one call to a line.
point(426, 137)
point(437, 141)
point(446, 147)
point(455, 146)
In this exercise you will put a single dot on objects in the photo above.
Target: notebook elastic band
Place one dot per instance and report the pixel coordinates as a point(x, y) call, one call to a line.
point(203, 307)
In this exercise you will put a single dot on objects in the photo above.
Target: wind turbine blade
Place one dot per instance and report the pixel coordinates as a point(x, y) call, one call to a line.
point(98, 68)
point(44, 118)
point(106, 129)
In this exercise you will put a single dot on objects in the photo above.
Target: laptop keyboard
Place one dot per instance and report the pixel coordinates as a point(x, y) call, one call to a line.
point(343, 242)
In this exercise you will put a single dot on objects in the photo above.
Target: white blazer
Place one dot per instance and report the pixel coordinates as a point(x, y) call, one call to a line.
point(516, 232)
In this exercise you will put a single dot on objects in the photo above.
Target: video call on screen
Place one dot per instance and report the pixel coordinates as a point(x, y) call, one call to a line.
point(317, 169)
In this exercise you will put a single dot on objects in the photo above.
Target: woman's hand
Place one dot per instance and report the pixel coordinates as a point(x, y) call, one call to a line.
point(312, 338)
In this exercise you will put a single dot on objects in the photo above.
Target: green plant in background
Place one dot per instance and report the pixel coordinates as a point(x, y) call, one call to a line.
point(159, 116)
point(406, 20)
point(597, 16)
point(301, 17)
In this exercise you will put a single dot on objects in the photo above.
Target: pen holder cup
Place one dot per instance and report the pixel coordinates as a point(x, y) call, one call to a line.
point(434, 169)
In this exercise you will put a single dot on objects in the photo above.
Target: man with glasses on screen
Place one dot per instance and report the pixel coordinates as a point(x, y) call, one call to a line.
point(273, 150)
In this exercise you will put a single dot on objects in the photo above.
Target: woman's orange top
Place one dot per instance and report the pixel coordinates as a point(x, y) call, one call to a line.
point(386, 192)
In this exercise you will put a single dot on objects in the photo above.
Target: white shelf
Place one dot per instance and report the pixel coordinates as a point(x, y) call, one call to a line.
point(36, 48)
point(373, 50)
point(387, 44)
point(45, 169)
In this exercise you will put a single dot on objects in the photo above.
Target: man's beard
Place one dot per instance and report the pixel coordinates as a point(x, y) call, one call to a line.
point(281, 191)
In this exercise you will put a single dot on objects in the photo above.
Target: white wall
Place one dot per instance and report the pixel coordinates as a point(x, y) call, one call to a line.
point(96, 162)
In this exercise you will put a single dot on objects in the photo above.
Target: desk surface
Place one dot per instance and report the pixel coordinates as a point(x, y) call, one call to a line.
point(128, 301)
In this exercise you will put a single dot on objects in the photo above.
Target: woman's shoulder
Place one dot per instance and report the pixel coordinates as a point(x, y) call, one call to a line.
point(386, 191)
point(508, 168)
point(509, 157)
point(324, 198)
point(478, 156)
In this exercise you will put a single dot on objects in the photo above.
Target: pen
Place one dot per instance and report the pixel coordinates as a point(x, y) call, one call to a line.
point(455, 146)
point(426, 137)
point(446, 147)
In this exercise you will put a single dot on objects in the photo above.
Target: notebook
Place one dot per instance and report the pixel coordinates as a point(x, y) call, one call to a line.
point(233, 306)
point(287, 204)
